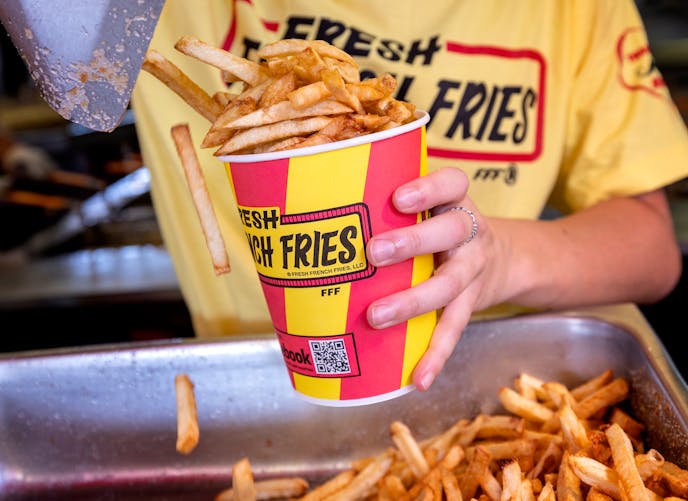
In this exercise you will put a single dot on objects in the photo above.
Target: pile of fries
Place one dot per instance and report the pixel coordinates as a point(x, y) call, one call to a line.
point(302, 93)
point(554, 444)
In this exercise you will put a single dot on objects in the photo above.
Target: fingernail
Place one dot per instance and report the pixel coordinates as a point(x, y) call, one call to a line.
point(382, 314)
point(407, 197)
point(381, 250)
point(426, 381)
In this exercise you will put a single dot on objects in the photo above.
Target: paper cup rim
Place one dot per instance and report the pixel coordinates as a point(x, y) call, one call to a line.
point(423, 118)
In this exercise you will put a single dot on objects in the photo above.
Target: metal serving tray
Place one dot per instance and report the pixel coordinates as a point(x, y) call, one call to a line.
point(101, 423)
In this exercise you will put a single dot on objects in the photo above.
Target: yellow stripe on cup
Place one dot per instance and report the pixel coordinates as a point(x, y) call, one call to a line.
point(331, 179)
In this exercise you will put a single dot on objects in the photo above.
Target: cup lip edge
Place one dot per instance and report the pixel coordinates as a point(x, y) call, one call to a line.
point(423, 118)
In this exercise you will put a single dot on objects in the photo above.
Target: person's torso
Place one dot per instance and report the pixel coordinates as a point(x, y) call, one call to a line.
point(492, 77)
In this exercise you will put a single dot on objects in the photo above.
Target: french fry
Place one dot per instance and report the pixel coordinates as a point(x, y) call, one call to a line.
point(450, 461)
point(624, 463)
point(573, 429)
point(595, 495)
point(364, 480)
point(335, 484)
point(277, 90)
point(558, 394)
point(241, 68)
point(602, 398)
point(524, 407)
point(282, 144)
point(506, 449)
point(284, 110)
point(596, 475)
point(490, 485)
point(547, 493)
point(288, 47)
point(308, 65)
point(548, 461)
point(278, 488)
point(385, 83)
point(188, 433)
point(568, 483)
point(409, 448)
point(450, 485)
point(649, 464)
point(583, 390)
point(308, 95)
point(444, 440)
point(243, 487)
point(347, 69)
point(371, 122)
point(223, 98)
point(241, 106)
point(470, 480)
point(501, 426)
point(335, 84)
point(632, 427)
point(173, 77)
point(530, 387)
point(266, 133)
point(675, 479)
point(391, 488)
point(199, 193)
point(511, 481)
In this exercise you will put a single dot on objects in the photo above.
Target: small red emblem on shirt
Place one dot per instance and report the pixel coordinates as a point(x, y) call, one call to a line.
point(637, 68)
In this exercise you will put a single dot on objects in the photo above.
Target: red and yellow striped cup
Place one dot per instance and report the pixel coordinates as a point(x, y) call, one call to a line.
point(308, 214)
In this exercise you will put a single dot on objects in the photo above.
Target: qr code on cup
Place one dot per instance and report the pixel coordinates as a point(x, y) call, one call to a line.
point(330, 356)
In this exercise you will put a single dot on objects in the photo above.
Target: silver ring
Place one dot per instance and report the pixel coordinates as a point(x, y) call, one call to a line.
point(474, 223)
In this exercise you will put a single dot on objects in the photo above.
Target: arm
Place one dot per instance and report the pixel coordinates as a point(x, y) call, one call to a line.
point(620, 250)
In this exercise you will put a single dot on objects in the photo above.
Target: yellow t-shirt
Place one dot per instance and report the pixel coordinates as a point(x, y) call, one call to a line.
point(539, 102)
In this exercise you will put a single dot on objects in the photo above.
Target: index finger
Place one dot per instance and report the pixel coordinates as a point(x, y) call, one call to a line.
point(444, 187)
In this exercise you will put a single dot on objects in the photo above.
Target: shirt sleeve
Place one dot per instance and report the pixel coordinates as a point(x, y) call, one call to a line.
point(625, 136)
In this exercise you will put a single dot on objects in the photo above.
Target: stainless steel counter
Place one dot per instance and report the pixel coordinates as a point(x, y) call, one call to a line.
point(141, 270)
point(101, 423)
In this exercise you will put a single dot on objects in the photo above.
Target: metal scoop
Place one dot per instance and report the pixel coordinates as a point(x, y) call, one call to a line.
point(84, 56)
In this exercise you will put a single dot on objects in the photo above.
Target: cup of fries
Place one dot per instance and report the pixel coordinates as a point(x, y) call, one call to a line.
point(313, 155)
point(308, 214)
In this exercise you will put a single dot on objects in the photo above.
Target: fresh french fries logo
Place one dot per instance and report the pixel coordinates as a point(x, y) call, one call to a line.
point(311, 249)
point(637, 68)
